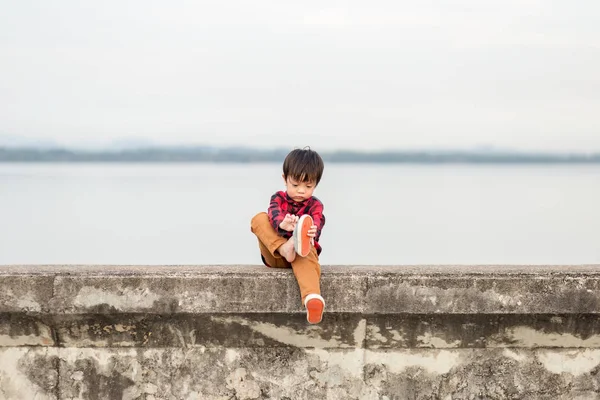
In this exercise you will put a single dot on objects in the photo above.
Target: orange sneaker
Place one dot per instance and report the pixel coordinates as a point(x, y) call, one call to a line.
point(301, 239)
point(315, 305)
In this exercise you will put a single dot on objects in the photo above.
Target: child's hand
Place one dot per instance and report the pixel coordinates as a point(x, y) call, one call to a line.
point(312, 232)
point(289, 222)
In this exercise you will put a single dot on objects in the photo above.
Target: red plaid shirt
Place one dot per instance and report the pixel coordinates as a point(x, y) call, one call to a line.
point(281, 204)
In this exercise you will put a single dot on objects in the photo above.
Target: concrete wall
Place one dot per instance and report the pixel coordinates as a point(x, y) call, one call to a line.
point(239, 332)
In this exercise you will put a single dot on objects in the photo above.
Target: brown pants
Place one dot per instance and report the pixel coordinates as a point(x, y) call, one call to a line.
point(306, 269)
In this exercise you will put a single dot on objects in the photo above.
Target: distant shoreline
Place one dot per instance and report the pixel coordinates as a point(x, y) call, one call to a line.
point(248, 156)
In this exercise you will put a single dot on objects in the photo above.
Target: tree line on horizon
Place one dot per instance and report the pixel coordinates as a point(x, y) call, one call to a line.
point(244, 155)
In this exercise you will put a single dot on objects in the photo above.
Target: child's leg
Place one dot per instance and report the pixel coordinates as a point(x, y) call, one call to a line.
point(270, 260)
point(268, 241)
point(308, 273)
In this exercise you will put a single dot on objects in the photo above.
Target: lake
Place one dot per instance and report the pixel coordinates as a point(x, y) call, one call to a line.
point(376, 213)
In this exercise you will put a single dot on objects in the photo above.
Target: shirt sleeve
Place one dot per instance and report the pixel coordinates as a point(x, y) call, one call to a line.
point(316, 212)
point(276, 212)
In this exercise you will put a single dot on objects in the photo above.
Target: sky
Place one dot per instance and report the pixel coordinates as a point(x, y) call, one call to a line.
point(445, 74)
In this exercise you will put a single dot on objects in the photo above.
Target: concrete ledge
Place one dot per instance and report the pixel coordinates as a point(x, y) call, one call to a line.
point(256, 289)
point(239, 332)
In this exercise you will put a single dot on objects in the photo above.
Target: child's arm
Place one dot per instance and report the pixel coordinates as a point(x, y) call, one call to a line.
point(280, 220)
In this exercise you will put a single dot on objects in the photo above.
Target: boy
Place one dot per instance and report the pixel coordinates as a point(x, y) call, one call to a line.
point(288, 235)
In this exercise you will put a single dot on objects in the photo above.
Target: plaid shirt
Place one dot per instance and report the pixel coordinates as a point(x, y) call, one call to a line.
point(281, 204)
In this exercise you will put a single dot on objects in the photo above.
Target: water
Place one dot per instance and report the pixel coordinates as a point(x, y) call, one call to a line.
point(376, 214)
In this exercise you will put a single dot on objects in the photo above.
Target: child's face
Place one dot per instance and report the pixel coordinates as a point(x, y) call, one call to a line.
point(299, 191)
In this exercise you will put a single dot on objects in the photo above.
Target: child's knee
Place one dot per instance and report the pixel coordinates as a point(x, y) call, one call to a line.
point(259, 219)
point(313, 255)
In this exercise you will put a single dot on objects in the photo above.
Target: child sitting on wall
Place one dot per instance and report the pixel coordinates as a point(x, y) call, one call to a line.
point(288, 235)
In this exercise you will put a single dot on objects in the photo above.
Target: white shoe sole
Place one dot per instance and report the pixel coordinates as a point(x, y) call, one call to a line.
point(299, 238)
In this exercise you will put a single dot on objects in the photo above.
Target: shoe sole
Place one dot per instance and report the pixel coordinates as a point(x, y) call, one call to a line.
point(314, 311)
point(301, 239)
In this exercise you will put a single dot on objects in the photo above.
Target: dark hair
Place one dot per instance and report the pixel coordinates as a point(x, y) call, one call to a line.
point(304, 165)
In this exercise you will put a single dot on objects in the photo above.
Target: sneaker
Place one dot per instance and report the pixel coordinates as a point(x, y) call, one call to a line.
point(315, 305)
point(301, 239)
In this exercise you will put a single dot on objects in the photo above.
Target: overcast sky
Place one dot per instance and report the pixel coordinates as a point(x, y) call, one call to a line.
point(521, 74)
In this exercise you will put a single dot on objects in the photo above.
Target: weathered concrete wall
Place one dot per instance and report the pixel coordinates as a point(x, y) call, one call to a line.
point(239, 332)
